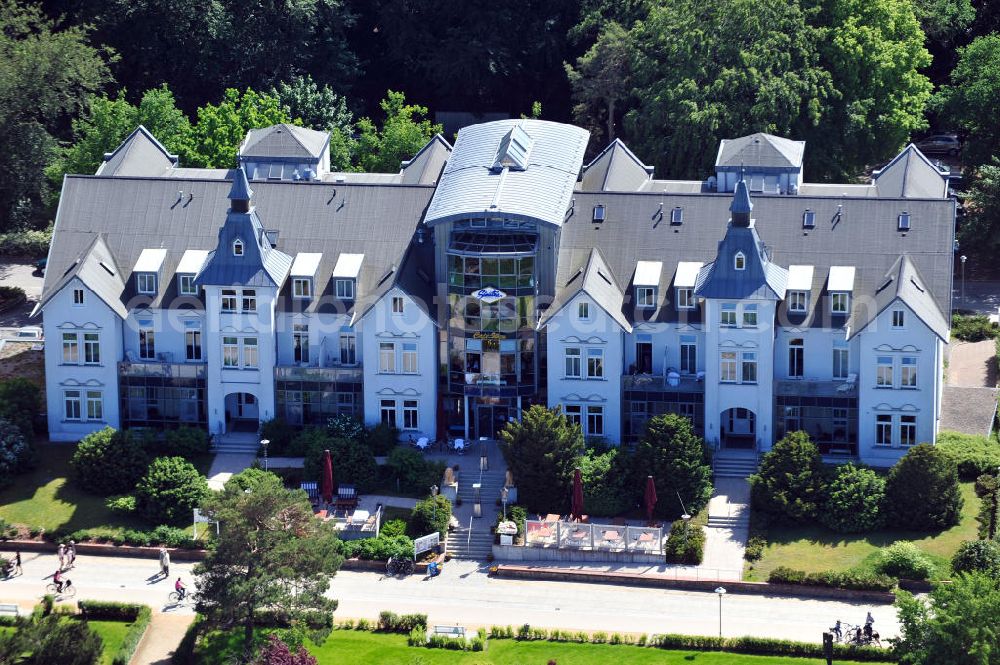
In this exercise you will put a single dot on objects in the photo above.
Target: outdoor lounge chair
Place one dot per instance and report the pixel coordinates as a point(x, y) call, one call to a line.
point(347, 497)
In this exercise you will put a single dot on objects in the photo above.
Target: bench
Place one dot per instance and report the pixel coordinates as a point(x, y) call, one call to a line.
point(9, 610)
point(450, 631)
point(347, 497)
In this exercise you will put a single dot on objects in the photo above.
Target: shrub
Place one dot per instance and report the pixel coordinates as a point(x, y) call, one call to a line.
point(20, 400)
point(276, 652)
point(30, 243)
point(343, 426)
point(390, 622)
point(170, 490)
point(904, 560)
point(414, 472)
point(922, 491)
point(685, 543)
point(431, 514)
point(755, 548)
point(15, 451)
point(108, 462)
point(381, 439)
point(849, 579)
point(185, 442)
point(607, 477)
point(353, 462)
point(676, 457)
point(516, 514)
point(376, 549)
point(541, 451)
point(764, 646)
point(787, 485)
point(123, 504)
point(974, 455)
point(280, 435)
point(11, 296)
point(138, 616)
point(392, 528)
point(60, 639)
point(988, 490)
point(978, 556)
point(853, 500)
point(973, 328)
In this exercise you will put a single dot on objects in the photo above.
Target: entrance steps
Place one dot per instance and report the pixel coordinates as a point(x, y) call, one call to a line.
point(734, 463)
point(477, 544)
point(245, 443)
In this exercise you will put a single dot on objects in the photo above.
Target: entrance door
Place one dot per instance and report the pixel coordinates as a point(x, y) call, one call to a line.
point(738, 428)
point(490, 420)
point(242, 412)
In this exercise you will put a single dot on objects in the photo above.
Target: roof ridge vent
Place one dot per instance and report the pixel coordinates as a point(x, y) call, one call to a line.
point(513, 150)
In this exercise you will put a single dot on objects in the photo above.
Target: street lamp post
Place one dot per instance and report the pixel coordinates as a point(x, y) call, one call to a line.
point(963, 258)
point(264, 443)
point(503, 499)
point(687, 521)
point(434, 490)
point(720, 591)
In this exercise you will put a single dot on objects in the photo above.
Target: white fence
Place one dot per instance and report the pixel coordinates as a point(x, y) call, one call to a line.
point(595, 537)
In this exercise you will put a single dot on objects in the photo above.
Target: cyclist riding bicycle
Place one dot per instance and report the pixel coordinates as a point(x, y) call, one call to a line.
point(180, 589)
point(57, 579)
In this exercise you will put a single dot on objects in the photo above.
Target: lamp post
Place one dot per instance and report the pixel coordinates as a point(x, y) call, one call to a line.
point(264, 443)
point(503, 499)
point(434, 490)
point(720, 592)
point(687, 521)
point(963, 258)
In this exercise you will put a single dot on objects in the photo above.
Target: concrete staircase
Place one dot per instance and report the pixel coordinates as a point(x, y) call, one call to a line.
point(479, 543)
point(734, 463)
point(241, 443)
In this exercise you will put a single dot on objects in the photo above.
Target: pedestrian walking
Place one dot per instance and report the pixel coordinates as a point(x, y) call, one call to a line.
point(71, 553)
point(164, 562)
point(17, 563)
point(62, 556)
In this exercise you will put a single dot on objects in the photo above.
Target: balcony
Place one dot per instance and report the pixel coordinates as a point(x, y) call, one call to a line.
point(659, 383)
point(811, 388)
point(343, 374)
point(161, 370)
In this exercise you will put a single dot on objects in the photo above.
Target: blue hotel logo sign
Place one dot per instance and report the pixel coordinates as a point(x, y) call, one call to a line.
point(490, 294)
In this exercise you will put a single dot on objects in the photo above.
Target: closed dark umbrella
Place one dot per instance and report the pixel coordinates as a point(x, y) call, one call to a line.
point(577, 504)
point(650, 498)
point(326, 489)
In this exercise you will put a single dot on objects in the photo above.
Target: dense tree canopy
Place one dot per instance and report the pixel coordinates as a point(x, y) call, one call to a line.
point(675, 456)
point(970, 98)
point(600, 81)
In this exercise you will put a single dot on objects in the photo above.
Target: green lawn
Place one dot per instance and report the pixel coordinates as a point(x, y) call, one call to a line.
point(815, 549)
point(346, 647)
point(113, 634)
point(45, 498)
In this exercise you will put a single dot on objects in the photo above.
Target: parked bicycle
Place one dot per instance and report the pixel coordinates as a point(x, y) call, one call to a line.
point(68, 590)
point(398, 566)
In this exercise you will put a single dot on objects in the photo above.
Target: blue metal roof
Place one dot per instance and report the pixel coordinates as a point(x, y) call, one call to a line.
point(759, 278)
point(472, 188)
point(240, 190)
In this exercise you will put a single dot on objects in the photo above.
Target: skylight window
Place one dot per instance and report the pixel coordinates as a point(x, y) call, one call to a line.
point(677, 215)
point(599, 213)
point(513, 151)
point(809, 219)
point(904, 221)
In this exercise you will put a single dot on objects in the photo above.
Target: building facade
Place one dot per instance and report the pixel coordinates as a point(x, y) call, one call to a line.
point(499, 273)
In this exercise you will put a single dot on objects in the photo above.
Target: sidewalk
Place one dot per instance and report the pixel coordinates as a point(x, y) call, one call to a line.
point(164, 634)
point(225, 465)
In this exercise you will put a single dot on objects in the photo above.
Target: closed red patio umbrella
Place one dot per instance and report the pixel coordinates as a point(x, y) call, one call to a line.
point(649, 500)
point(326, 488)
point(577, 503)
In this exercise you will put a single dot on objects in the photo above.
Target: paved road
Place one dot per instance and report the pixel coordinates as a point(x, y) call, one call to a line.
point(464, 594)
point(22, 275)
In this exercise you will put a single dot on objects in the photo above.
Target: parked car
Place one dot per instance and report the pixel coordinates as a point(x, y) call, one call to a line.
point(940, 144)
point(40, 265)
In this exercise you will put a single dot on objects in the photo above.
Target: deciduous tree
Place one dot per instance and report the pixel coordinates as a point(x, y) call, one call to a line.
point(404, 131)
point(222, 127)
point(788, 486)
point(922, 490)
point(600, 80)
point(970, 99)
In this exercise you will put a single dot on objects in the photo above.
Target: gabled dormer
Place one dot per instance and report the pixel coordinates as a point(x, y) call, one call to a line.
point(345, 276)
point(148, 271)
point(303, 275)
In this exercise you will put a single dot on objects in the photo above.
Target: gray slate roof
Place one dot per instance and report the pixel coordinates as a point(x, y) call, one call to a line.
point(470, 188)
point(760, 149)
point(95, 266)
point(597, 280)
point(259, 265)
point(616, 169)
point(139, 154)
point(284, 141)
point(910, 175)
point(902, 282)
point(425, 167)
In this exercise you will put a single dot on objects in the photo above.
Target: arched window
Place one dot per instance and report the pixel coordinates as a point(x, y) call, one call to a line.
point(237, 247)
point(740, 261)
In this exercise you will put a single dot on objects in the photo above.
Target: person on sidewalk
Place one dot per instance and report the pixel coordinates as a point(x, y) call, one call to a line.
point(61, 551)
point(164, 562)
point(71, 553)
point(17, 563)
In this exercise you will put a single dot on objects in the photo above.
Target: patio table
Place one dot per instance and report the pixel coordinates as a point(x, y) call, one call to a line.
point(612, 536)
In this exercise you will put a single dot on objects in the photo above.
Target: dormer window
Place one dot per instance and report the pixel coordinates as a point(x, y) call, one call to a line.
point(145, 282)
point(740, 261)
point(645, 297)
point(898, 319)
point(798, 301)
point(345, 289)
point(237, 247)
point(904, 221)
point(677, 215)
point(840, 302)
point(301, 287)
point(185, 285)
point(685, 297)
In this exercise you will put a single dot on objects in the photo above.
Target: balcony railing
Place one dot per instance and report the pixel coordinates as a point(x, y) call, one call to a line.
point(326, 374)
point(810, 388)
point(659, 383)
point(162, 370)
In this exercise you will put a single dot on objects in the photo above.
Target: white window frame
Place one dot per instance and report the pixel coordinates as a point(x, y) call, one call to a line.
point(645, 297)
point(411, 415)
point(238, 247)
point(229, 301)
point(727, 315)
point(574, 364)
point(729, 371)
point(796, 351)
point(95, 405)
point(251, 353)
point(147, 347)
point(798, 301)
point(70, 349)
point(248, 300)
point(91, 348)
point(749, 316)
point(78, 298)
point(883, 372)
point(348, 349)
point(740, 261)
point(145, 283)
point(685, 297)
point(409, 358)
point(748, 359)
point(300, 343)
point(595, 420)
point(688, 357)
point(883, 430)
point(397, 305)
point(574, 414)
point(908, 372)
point(583, 311)
point(387, 412)
point(302, 288)
point(595, 363)
point(386, 358)
point(841, 362)
point(344, 289)
point(186, 286)
point(230, 352)
point(192, 344)
point(899, 319)
point(840, 302)
point(907, 430)
point(73, 405)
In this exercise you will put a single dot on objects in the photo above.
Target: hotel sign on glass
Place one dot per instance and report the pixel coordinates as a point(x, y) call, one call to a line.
point(489, 295)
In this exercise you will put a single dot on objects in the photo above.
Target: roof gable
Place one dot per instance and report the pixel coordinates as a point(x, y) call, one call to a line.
point(284, 140)
point(903, 283)
point(425, 167)
point(140, 154)
point(616, 168)
point(760, 149)
point(97, 269)
point(911, 175)
point(597, 280)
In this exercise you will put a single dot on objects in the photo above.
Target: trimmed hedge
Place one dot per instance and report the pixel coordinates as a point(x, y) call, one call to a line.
point(163, 535)
point(974, 455)
point(681, 548)
point(33, 244)
point(313, 619)
point(974, 328)
point(376, 549)
point(138, 615)
point(390, 622)
point(764, 646)
point(853, 580)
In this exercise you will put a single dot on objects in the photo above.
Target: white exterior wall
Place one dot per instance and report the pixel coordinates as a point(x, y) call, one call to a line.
point(666, 340)
point(221, 382)
point(914, 340)
point(61, 315)
point(758, 397)
point(817, 352)
point(413, 326)
point(324, 338)
point(600, 331)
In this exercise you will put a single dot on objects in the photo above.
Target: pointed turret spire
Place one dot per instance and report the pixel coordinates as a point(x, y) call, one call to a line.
point(240, 194)
point(742, 206)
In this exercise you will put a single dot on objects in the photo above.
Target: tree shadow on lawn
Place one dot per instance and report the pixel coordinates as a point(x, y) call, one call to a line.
point(817, 535)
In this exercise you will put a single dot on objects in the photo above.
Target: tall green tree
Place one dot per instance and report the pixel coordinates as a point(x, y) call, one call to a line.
point(922, 490)
point(980, 230)
point(788, 483)
point(108, 121)
point(956, 624)
point(47, 72)
point(404, 131)
point(970, 99)
point(711, 69)
point(600, 80)
point(943, 20)
point(271, 553)
point(319, 107)
point(222, 127)
point(541, 451)
point(676, 457)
